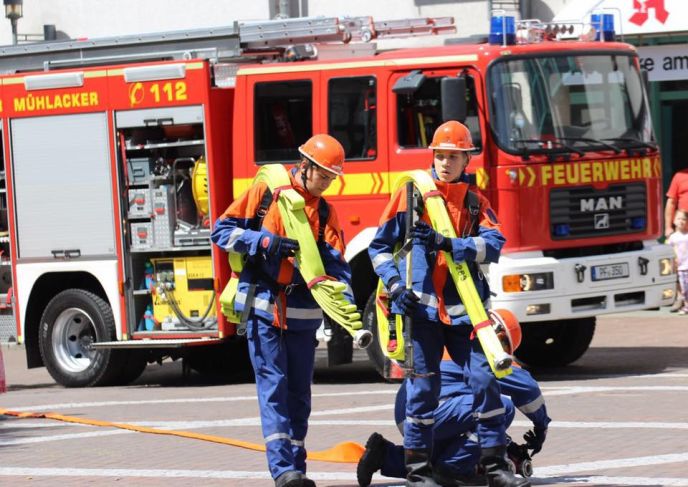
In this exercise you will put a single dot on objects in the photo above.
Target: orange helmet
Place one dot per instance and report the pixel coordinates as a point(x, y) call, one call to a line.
point(452, 135)
point(325, 151)
point(508, 330)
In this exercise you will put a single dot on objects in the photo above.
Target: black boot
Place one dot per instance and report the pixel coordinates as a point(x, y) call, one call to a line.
point(372, 458)
point(448, 478)
point(292, 478)
point(419, 469)
point(497, 470)
point(306, 482)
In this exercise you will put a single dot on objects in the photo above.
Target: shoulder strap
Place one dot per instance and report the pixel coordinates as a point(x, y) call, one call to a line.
point(262, 210)
point(472, 204)
point(323, 216)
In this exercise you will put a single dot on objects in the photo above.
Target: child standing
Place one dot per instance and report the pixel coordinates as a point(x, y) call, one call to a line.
point(679, 240)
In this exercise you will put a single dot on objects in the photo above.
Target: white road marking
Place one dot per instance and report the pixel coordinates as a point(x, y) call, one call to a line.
point(100, 404)
point(550, 391)
point(74, 436)
point(605, 480)
point(611, 464)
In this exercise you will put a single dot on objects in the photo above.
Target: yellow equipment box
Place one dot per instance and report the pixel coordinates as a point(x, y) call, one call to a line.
point(188, 283)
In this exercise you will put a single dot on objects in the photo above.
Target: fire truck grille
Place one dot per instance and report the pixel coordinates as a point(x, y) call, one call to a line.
point(587, 212)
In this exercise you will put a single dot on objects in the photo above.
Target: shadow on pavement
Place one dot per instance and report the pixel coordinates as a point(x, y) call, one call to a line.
point(600, 362)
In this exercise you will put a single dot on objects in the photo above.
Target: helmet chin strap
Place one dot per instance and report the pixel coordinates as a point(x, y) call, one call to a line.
point(304, 174)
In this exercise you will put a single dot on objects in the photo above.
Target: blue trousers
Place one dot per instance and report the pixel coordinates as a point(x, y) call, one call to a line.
point(456, 446)
point(283, 363)
point(422, 392)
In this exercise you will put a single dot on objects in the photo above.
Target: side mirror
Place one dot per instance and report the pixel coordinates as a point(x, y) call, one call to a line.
point(409, 84)
point(453, 91)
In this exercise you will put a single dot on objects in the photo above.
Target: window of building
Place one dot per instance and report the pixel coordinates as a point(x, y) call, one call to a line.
point(352, 115)
point(283, 119)
point(420, 113)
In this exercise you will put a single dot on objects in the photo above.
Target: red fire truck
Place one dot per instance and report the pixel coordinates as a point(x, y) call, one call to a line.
point(120, 153)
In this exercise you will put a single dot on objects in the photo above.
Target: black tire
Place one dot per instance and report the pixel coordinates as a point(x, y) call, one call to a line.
point(370, 323)
point(71, 321)
point(555, 344)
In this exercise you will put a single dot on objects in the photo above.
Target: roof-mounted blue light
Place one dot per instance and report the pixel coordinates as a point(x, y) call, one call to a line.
point(502, 30)
point(604, 26)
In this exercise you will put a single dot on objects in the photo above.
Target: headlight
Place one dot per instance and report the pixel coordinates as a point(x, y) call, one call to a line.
point(515, 283)
point(666, 266)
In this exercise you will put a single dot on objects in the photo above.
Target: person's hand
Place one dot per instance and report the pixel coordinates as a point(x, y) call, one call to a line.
point(403, 298)
point(424, 234)
point(535, 438)
point(272, 244)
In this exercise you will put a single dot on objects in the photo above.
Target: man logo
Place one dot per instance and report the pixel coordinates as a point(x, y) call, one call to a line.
point(602, 203)
point(601, 221)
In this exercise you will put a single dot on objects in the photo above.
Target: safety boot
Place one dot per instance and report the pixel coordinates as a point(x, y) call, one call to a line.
point(678, 304)
point(371, 461)
point(292, 478)
point(497, 470)
point(419, 469)
point(306, 482)
point(448, 478)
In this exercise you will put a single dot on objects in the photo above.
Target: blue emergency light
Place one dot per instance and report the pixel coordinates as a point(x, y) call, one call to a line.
point(638, 222)
point(604, 26)
point(562, 230)
point(502, 30)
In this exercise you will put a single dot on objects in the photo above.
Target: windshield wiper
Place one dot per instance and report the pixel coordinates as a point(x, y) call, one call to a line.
point(545, 147)
point(633, 143)
point(592, 141)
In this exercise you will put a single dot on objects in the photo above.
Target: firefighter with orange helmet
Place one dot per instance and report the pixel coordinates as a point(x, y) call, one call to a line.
point(280, 312)
point(432, 301)
point(456, 453)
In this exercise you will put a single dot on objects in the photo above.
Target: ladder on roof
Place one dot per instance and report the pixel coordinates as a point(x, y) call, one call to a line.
point(242, 41)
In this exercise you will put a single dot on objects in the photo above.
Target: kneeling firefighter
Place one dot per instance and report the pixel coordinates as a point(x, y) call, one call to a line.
point(433, 303)
point(281, 314)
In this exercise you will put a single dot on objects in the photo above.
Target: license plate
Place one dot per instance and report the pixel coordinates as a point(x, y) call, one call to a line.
point(610, 271)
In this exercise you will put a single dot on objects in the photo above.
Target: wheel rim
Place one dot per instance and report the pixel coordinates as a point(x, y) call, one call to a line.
point(73, 334)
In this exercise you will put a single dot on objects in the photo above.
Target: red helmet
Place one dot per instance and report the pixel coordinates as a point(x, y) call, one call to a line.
point(452, 135)
point(325, 151)
point(508, 330)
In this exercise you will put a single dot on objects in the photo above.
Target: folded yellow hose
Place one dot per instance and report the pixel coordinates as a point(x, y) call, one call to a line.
point(499, 360)
point(328, 293)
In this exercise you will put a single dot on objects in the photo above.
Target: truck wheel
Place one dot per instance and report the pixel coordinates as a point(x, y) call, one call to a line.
point(73, 320)
point(370, 323)
point(555, 343)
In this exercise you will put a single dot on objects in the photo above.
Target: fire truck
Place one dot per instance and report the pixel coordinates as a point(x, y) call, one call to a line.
point(120, 153)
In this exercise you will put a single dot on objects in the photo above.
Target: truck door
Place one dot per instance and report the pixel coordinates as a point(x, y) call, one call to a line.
point(416, 103)
point(65, 206)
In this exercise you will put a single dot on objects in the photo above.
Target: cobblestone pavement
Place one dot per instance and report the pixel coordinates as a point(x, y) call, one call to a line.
point(620, 418)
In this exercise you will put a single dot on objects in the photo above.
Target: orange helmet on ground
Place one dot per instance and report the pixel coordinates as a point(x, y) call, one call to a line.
point(452, 135)
point(507, 328)
point(326, 152)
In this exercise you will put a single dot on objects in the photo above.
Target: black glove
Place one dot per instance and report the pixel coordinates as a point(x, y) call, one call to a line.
point(535, 438)
point(424, 234)
point(403, 298)
point(272, 244)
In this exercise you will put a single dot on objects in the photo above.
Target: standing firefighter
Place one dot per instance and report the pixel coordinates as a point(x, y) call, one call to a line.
point(282, 316)
point(439, 317)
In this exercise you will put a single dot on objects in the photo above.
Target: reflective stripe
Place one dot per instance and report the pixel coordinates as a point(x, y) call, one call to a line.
point(420, 421)
point(480, 249)
point(456, 310)
point(473, 437)
point(277, 436)
point(297, 443)
point(380, 259)
point(349, 290)
point(490, 414)
point(233, 237)
point(426, 299)
point(258, 303)
point(305, 313)
point(532, 406)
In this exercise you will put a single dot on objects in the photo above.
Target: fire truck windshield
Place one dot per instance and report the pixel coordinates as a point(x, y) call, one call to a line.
point(568, 104)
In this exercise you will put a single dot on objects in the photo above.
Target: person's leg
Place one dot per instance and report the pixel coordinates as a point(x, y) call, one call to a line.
point(683, 288)
point(269, 360)
point(422, 393)
point(300, 348)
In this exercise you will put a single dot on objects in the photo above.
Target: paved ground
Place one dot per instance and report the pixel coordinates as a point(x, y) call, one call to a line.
point(620, 418)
